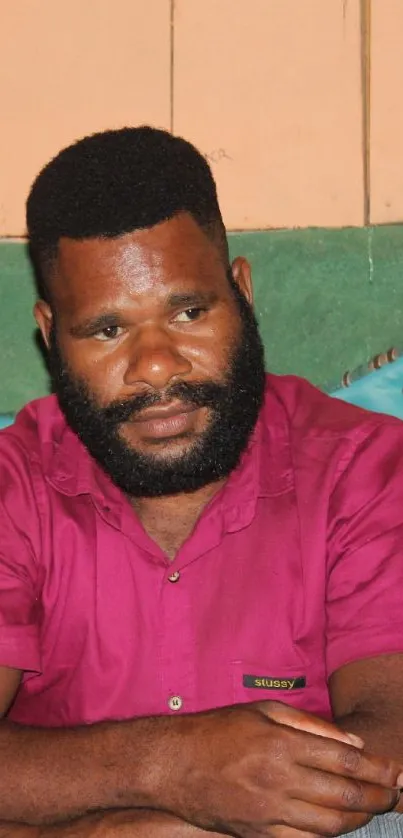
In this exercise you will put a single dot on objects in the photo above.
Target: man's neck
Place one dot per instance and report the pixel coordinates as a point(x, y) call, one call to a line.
point(170, 520)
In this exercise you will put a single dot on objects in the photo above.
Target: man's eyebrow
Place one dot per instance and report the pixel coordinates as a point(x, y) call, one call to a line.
point(95, 324)
point(189, 299)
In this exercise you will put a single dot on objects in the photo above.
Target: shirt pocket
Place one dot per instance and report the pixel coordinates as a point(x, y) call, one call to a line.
point(254, 681)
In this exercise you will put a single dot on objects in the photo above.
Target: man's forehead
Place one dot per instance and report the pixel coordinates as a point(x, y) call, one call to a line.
point(149, 261)
point(178, 240)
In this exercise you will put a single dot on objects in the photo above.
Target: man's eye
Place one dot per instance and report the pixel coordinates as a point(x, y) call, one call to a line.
point(189, 315)
point(108, 333)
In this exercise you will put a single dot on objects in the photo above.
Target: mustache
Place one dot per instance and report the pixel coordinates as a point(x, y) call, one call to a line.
point(197, 394)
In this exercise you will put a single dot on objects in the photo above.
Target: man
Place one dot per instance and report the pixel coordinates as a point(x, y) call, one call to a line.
point(200, 567)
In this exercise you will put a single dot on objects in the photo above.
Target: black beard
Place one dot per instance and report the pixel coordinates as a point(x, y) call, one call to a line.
point(234, 407)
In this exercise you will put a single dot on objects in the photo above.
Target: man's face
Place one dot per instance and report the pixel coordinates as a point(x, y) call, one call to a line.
point(155, 357)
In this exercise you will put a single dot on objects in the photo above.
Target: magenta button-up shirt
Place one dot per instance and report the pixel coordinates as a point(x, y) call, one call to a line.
point(294, 569)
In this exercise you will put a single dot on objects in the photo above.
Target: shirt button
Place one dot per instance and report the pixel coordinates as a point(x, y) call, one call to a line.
point(175, 702)
point(174, 576)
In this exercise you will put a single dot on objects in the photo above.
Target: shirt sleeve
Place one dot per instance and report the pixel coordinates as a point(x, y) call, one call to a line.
point(19, 601)
point(364, 600)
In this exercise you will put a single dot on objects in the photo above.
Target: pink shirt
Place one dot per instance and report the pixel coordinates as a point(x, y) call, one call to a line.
point(294, 569)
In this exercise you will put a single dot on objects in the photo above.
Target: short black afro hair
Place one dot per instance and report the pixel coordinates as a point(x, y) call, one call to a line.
point(115, 182)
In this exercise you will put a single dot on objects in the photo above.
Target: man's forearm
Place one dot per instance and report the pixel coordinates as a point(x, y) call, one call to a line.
point(215, 770)
point(130, 823)
point(52, 775)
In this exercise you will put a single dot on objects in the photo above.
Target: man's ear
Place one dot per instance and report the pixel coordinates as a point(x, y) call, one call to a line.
point(241, 271)
point(44, 319)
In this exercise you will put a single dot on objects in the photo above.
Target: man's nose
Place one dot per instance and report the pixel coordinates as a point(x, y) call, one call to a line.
point(155, 360)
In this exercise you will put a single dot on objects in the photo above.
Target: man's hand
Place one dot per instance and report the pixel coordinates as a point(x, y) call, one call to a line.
point(251, 770)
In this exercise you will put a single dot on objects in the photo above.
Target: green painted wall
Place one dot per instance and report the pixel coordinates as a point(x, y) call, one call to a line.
point(327, 300)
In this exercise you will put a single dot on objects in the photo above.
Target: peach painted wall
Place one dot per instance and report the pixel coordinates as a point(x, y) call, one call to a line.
point(70, 67)
point(387, 111)
point(276, 84)
point(270, 90)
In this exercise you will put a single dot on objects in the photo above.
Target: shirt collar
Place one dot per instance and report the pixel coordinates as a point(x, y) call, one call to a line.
point(265, 468)
point(73, 471)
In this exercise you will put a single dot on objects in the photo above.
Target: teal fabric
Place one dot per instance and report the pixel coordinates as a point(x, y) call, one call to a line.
point(381, 390)
point(5, 420)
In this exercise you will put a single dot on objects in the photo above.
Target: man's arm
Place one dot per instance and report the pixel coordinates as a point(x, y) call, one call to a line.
point(125, 823)
point(364, 615)
point(245, 770)
point(367, 700)
point(129, 823)
point(133, 823)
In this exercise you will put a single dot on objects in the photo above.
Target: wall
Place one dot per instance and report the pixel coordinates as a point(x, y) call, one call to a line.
point(295, 105)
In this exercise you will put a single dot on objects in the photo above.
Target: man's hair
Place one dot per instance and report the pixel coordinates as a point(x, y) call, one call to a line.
point(115, 182)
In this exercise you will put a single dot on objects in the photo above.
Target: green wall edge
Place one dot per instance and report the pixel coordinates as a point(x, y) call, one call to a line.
point(327, 301)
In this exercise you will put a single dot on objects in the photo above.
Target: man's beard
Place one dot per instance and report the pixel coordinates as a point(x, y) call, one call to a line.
point(234, 405)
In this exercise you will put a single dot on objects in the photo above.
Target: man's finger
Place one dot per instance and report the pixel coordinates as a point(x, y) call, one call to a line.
point(342, 793)
point(290, 716)
point(335, 757)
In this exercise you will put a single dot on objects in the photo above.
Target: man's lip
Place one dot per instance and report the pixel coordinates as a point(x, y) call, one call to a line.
point(164, 422)
point(164, 412)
